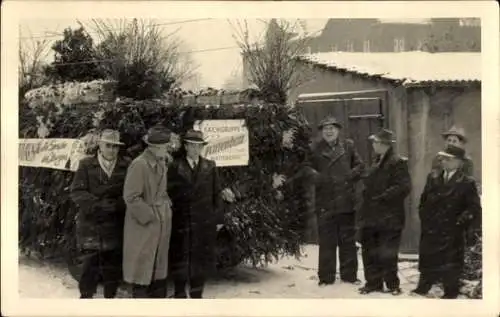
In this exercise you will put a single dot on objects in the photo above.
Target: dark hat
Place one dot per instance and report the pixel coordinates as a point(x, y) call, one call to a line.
point(193, 136)
point(383, 136)
point(329, 120)
point(157, 135)
point(453, 151)
point(459, 132)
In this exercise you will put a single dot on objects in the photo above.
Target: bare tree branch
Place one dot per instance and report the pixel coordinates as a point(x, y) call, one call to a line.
point(31, 60)
point(272, 63)
point(141, 42)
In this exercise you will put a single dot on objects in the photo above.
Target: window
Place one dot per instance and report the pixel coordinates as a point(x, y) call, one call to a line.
point(366, 46)
point(399, 45)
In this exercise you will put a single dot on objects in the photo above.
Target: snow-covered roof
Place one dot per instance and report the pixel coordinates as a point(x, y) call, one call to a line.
point(409, 68)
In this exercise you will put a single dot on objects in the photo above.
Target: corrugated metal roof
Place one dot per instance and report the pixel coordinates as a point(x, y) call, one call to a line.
point(409, 68)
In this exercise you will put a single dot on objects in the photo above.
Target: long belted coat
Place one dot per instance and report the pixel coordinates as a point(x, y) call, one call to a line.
point(338, 168)
point(148, 221)
point(196, 199)
point(386, 185)
point(446, 209)
point(98, 229)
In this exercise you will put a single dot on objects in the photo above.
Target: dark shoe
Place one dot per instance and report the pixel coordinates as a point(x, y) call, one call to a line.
point(395, 291)
point(140, 291)
point(110, 290)
point(86, 296)
point(419, 292)
point(368, 289)
point(352, 281)
point(325, 283)
point(448, 296)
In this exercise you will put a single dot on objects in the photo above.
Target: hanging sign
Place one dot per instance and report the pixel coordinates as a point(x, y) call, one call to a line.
point(227, 141)
point(62, 154)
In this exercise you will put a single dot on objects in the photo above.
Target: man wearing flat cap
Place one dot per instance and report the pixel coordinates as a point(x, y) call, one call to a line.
point(338, 167)
point(448, 205)
point(148, 219)
point(387, 184)
point(97, 191)
point(456, 137)
point(196, 193)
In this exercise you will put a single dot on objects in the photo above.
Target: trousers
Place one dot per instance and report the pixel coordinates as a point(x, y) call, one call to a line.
point(196, 286)
point(100, 267)
point(380, 249)
point(450, 279)
point(337, 232)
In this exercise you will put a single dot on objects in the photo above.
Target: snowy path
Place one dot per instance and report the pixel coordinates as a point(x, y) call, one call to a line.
point(289, 278)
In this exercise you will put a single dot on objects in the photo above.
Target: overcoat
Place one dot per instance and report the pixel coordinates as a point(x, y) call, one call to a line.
point(196, 199)
point(148, 220)
point(446, 209)
point(338, 168)
point(98, 229)
point(467, 168)
point(386, 185)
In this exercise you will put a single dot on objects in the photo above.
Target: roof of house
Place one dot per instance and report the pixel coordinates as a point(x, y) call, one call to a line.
point(413, 68)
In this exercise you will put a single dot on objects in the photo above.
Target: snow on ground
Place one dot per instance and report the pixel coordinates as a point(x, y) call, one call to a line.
point(288, 278)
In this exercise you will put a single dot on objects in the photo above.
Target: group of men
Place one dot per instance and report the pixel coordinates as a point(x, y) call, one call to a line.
point(136, 218)
point(448, 205)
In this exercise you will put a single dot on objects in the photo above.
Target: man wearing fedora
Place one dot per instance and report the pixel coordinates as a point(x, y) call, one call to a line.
point(338, 167)
point(386, 185)
point(448, 205)
point(97, 191)
point(195, 190)
point(455, 136)
point(148, 218)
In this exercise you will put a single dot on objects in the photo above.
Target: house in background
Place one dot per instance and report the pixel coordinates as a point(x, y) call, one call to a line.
point(374, 35)
point(418, 95)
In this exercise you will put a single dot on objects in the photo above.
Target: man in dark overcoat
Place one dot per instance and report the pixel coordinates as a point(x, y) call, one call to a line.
point(194, 188)
point(456, 137)
point(338, 166)
point(387, 184)
point(97, 191)
point(448, 205)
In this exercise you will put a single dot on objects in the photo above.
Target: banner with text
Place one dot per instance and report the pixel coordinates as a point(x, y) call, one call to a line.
point(227, 141)
point(62, 154)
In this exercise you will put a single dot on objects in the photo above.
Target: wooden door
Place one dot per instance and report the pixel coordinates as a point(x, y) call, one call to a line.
point(360, 116)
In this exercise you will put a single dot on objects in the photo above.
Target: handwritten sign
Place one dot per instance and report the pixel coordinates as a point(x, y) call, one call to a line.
point(62, 154)
point(227, 141)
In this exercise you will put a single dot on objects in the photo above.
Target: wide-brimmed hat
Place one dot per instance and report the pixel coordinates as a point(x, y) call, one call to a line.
point(384, 136)
point(459, 132)
point(329, 120)
point(111, 137)
point(194, 136)
point(157, 135)
point(453, 151)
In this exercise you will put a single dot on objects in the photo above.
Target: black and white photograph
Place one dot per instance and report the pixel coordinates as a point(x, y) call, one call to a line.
point(281, 156)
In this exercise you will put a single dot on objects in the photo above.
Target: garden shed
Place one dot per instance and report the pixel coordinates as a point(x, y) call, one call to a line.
point(416, 94)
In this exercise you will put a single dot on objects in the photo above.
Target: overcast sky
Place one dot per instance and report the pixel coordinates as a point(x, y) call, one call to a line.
point(214, 67)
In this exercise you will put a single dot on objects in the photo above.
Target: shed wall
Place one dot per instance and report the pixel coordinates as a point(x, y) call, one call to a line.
point(430, 114)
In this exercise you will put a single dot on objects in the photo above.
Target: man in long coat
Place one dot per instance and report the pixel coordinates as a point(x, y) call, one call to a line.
point(456, 137)
point(448, 205)
point(382, 217)
point(97, 191)
point(195, 191)
point(338, 166)
point(148, 219)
